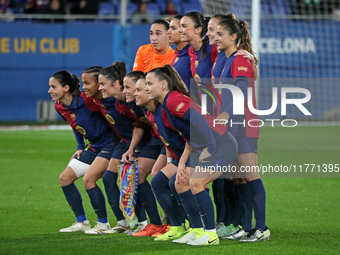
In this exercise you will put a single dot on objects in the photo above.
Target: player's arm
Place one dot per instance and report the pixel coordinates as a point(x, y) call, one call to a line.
point(137, 65)
point(137, 135)
point(251, 58)
point(80, 146)
point(182, 173)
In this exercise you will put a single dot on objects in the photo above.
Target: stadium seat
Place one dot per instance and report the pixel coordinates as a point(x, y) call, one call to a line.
point(153, 9)
point(131, 8)
point(107, 9)
point(192, 8)
point(241, 8)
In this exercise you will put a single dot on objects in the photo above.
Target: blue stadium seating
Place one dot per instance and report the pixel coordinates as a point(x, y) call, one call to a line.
point(154, 9)
point(107, 9)
point(191, 8)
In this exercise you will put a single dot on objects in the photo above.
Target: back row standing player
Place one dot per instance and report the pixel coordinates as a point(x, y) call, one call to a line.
point(239, 71)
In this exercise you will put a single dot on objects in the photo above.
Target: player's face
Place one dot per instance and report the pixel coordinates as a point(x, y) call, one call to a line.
point(187, 30)
point(129, 89)
point(159, 37)
point(90, 85)
point(141, 95)
point(153, 87)
point(106, 87)
point(223, 38)
point(56, 91)
point(173, 32)
point(212, 25)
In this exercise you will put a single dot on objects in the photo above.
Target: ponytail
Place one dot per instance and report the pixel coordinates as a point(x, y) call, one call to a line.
point(241, 29)
point(173, 79)
point(116, 71)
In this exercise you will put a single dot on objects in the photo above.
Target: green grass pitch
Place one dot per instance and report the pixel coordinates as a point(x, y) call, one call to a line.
point(302, 213)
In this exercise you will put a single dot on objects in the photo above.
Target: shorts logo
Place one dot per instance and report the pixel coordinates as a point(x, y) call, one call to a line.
point(110, 119)
point(73, 117)
point(80, 130)
point(179, 107)
point(242, 68)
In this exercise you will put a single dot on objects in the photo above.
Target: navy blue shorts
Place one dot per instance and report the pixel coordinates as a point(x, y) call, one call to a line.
point(150, 150)
point(246, 144)
point(120, 149)
point(163, 151)
point(88, 155)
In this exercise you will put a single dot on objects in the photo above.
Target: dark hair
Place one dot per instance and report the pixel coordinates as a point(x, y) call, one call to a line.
point(116, 71)
point(179, 16)
point(163, 22)
point(170, 75)
point(241, 29)
point(200, 21)
point(94, 70)
point(222, 17)
point(136, 75)
point(66, 78)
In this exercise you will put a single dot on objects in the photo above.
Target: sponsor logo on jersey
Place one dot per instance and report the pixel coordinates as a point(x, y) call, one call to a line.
point(110, 119)
point(242, 68)
point(179, 107)
point(80, 130)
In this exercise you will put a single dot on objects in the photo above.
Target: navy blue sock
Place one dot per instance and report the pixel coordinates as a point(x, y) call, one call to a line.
point(112, 191)
point(230, 201)
point(218, 192)
point(75, 200)
point(259, 203)
point(239, 211)
point(148, 201)
point(160, 186)
point(191, 208)
point(206, 208)
point(140, 211)
point(247, 203)
point(182, 214)
point(98, 203)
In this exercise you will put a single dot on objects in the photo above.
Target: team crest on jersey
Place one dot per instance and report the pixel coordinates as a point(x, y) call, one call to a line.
point(242, 68)
point(179, 107)
point(196, 63)
point(164, 141)
point(80, 130)
point(198, 79)
point(132, 111)
point(73, 116)
point(176, 60)
point(110, 119)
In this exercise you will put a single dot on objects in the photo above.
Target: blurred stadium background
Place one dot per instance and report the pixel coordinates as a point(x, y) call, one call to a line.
point(297, 42)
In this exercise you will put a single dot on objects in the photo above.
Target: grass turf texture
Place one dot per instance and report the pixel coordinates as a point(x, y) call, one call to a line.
point(303, 214)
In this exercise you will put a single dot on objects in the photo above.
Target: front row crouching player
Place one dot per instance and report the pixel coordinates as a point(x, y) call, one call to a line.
point(205, 145)
point(90, 161)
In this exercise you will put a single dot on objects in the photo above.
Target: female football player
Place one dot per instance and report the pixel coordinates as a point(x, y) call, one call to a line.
point(91, 161)
point(158, 53)
point(239, 71)
point(204, 144)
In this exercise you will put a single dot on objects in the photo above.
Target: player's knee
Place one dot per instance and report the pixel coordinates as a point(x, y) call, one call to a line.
point(196, 185)
point(181, 187)
point(65, 179)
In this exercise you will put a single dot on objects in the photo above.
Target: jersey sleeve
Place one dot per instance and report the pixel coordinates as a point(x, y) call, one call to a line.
point(178, 105)
point(80, 140)
point(138, 64)
point(241, 69)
